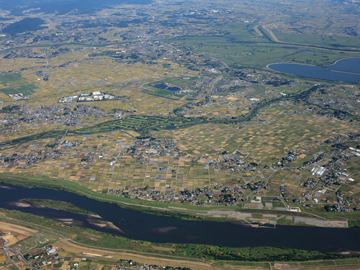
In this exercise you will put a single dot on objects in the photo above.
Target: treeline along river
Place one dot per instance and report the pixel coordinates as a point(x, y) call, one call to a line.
point(146, 227)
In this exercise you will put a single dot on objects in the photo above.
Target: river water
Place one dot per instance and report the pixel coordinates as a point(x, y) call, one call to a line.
point(140, 226)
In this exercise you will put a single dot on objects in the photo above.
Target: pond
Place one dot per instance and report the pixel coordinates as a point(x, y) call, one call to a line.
point(161, 86)
point(140, 226)
point(174, 88)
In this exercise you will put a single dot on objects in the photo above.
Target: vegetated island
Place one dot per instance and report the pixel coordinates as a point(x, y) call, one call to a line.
point(60, 205)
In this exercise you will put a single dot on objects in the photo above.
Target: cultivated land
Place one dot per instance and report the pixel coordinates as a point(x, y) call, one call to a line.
point(174, 107)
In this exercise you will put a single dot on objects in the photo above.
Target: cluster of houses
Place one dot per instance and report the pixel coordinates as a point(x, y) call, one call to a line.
point(288, 157)
point(233, 164)
point(54, 114)
point(47, 256)
point(87, 97)
point(209, 195)
point(26, 161)
point(330, 174)
point(152, 147)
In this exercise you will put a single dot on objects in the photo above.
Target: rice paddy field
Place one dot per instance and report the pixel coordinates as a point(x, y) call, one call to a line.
point(282, 130)
point(113, 169)
point(85, 75)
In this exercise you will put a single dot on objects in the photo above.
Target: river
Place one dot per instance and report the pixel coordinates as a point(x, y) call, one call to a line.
point(140, 226)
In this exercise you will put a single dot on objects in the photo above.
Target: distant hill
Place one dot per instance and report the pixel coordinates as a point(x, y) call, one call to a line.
point(16, 7)
point(25, 25)
point(5, 19)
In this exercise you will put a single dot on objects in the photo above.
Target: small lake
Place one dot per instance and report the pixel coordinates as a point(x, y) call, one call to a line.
point(164, 86)
point(145, 227)
point(336, 72)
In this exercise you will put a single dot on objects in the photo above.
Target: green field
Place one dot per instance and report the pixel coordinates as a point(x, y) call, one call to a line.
point(14, 83)
point(337, 42)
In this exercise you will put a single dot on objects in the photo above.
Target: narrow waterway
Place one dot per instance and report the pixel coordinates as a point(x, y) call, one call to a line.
point(153, 228)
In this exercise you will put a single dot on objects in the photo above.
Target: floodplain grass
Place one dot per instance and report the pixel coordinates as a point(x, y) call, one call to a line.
point(256, 55)
point(337, 42)
point(350, 261)
point(235, 265)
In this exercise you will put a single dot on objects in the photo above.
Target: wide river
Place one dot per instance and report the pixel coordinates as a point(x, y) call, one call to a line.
point(345, 70)
point(136, 225)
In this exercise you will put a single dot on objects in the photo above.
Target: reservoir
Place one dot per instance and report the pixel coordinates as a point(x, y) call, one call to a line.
point(347, 65)
point(346, 70)
point(140, 226)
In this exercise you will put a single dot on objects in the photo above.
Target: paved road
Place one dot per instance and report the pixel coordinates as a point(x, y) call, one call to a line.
point(18, 253)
